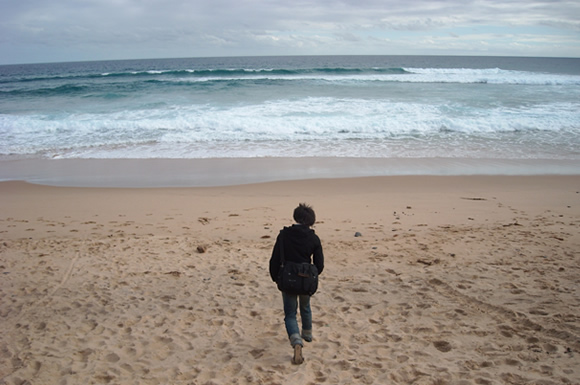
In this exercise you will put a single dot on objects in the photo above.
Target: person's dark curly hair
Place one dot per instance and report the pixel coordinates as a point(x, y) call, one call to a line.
point(304, 215)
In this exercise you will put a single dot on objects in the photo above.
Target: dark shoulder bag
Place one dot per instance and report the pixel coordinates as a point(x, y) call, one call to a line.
point(296, 278)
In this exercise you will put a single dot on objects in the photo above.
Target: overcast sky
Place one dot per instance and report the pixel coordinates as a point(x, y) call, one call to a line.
point(74, 30)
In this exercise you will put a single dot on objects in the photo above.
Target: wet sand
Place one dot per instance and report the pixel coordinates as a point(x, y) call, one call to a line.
point(237, 171)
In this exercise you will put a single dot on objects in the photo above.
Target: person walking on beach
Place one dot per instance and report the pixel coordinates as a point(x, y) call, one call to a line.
point(300, 244)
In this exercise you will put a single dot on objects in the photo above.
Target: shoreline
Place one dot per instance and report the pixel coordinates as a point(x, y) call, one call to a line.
point(210, 172)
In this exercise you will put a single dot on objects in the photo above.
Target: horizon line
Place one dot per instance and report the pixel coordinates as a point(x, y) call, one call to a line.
point(271, 56)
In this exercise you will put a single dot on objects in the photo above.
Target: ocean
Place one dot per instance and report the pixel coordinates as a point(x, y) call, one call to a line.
point(371, 107)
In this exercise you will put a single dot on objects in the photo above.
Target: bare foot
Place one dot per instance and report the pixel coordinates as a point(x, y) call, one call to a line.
point(298, 358)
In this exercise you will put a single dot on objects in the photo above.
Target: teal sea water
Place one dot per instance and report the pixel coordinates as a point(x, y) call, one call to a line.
point(391, 107)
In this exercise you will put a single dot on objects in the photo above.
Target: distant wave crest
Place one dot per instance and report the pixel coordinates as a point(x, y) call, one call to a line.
point(336, 75)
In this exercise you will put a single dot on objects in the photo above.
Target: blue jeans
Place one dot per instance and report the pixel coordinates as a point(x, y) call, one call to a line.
point(290, 312)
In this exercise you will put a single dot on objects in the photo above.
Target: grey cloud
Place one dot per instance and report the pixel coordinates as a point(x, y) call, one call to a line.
point(253, 26)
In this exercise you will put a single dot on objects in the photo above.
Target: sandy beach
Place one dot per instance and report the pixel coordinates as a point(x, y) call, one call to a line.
point(453, 280)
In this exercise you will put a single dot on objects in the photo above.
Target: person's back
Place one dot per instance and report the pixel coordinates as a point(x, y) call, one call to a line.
point(300, 244)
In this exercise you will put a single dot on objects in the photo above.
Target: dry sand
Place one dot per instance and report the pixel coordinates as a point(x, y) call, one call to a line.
point(455, 280)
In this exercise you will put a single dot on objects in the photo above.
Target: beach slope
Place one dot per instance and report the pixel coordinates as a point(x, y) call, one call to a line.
point(451, 280)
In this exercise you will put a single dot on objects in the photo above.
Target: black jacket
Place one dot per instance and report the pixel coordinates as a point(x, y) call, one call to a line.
point(300, 243)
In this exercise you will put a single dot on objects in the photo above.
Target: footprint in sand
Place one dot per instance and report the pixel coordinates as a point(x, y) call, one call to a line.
point(442, 346)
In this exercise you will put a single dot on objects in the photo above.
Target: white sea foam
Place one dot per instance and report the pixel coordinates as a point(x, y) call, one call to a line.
point(413, 76)
point(312, 126)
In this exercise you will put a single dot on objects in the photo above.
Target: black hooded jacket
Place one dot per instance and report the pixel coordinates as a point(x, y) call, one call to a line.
point(300, 243)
